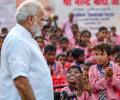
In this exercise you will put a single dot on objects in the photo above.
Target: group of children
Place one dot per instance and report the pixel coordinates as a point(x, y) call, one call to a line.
point(86, 68)
point(90, 67)
point(84, 82)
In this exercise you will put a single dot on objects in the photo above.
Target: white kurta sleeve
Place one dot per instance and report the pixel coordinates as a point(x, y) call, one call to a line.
point(18, 56)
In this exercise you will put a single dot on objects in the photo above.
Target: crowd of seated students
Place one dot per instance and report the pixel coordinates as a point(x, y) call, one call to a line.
point(82, 67)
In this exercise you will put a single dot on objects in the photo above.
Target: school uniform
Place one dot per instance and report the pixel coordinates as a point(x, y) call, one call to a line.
point(73, 94)
point(110, 85)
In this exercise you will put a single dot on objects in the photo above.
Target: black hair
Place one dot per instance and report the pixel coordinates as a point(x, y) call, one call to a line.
point(75, 67)
point(75, 25)
point(45, 27)
point(49, 47)
point(84, 32)
point(102, 28)
point(37, 37)
point(76, 52)
point(58, 29)
point(116, 49)
point(113, 28)
point(52, 36)
point(117, 56)
point(69, 52)
point(104, 47)
point(88, 64)
point(60, 55)
point(4, 30)
point(64, 39)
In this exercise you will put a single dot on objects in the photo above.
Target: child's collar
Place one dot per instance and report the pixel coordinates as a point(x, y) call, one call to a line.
point(101, 67)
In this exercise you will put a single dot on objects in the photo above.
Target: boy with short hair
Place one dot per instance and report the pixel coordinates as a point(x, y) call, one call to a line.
point(53, 40)
point(100, 36)
point(78, 55)
point(104, 76)
point(64, 45)
point(41, 42)
point(56, 68)
point(50, 55)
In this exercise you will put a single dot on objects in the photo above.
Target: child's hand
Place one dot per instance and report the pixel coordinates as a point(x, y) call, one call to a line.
point(87, 88)
point(80, 81)
point(85, 74)
point(80, 85)
point(109, 72)
point(86, 84)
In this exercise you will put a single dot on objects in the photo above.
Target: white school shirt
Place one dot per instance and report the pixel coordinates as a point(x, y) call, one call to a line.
point(21, 56)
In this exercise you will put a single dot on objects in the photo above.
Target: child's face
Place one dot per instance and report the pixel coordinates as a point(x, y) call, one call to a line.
point(86, 68)
point(64, 44)
point(77, 36)
point(50, 56)
point(85, 37)
point(62, 60)
point(102, 34)
point(70, 58)
point(81, 59)
point(40, 42)
point(72, 75)
point(53, 40)
point(74, 29)
point(59, 33)
point(101, 57)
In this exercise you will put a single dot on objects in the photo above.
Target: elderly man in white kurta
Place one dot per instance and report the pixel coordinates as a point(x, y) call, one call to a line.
point(24, 74)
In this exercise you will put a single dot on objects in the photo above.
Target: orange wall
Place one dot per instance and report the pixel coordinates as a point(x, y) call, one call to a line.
point(18, 2)
point(44, 2)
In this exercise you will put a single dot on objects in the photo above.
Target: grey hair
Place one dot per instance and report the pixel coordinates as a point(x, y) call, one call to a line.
point(28, 8)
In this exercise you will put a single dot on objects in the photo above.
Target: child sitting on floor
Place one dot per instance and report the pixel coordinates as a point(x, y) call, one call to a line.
point(78, 88)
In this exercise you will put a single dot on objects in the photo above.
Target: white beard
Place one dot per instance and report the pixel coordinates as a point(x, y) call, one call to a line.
point(36, 29)
point(38, 34)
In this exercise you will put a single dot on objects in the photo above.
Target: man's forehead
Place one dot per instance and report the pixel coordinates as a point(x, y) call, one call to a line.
point(40, 13)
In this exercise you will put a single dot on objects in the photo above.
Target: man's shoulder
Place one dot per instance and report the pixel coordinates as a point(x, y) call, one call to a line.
point(14, 34)
point(12, 38)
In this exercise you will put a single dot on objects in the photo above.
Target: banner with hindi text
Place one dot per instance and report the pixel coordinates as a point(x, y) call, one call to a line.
point(90, 14)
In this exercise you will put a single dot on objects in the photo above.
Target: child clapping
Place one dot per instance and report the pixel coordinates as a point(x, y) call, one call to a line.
point(105, 75)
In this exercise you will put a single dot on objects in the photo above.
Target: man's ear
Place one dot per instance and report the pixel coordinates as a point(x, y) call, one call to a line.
point(30, 20)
